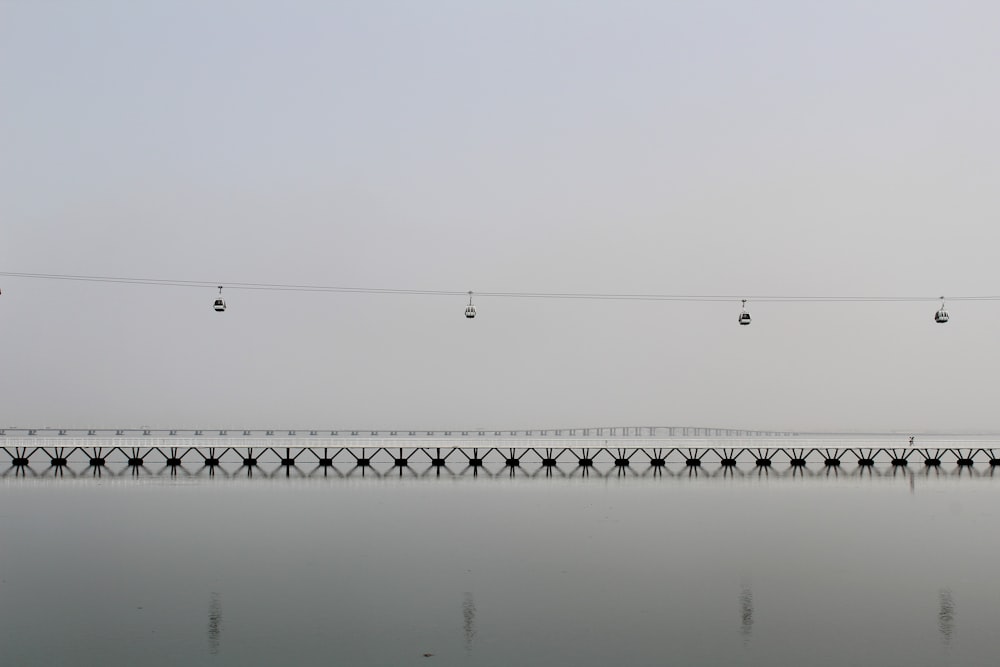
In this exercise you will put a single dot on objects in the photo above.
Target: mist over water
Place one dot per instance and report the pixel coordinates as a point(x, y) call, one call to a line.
point(611, 185)
point(461, 570)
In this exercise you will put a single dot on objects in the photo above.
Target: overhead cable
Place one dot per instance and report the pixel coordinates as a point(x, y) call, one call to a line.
point(594, 296)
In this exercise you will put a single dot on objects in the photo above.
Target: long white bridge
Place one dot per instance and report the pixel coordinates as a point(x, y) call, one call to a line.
point(589, 432)
point(632, 447)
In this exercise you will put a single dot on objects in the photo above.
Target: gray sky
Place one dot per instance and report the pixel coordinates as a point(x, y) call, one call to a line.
point(789, 148)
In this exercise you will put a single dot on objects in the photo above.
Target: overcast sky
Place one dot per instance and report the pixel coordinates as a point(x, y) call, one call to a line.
point(694, 148)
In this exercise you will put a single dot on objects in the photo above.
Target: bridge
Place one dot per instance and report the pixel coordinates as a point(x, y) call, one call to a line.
point(541, 453)
point(597, 432)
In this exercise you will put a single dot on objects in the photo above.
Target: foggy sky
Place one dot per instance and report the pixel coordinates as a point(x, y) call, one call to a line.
point(789, 148)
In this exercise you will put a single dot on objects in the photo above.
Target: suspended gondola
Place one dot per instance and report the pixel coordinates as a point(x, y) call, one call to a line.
point(941, 316)
point(744, 315)
point(220, 303)
point(470, 310)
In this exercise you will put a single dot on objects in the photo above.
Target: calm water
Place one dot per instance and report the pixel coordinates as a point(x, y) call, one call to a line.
point(753, 570)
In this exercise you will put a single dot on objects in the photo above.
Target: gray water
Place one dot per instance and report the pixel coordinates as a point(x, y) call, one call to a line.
point(675, 570)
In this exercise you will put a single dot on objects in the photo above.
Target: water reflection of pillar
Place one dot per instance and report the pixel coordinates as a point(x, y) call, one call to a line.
point(653, 471)
point(469, 620)
point(214, 622)
point(946, 616)
point(728, 471)
point(746, 613)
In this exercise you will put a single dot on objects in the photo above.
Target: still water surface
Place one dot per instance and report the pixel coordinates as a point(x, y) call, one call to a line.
point(756, 570)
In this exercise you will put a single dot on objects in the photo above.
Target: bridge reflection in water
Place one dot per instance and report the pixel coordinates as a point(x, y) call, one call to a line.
point(60, 457)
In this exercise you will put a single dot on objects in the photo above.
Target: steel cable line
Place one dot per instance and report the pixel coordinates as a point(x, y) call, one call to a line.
point(593, 296)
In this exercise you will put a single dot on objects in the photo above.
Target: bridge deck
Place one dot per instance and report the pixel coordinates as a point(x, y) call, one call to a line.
point(61, 451)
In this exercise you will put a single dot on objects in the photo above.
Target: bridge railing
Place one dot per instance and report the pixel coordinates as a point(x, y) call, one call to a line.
point(595, 432)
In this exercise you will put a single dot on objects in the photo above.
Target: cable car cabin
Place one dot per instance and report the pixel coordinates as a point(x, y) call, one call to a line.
point(220, 306)
point(744, 319)
point(470, 311)
point(941, 316)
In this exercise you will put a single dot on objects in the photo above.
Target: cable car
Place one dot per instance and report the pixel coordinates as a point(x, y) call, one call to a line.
point(470, 310)
point(744, 315)
point(220, 303)
point(941, 316)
